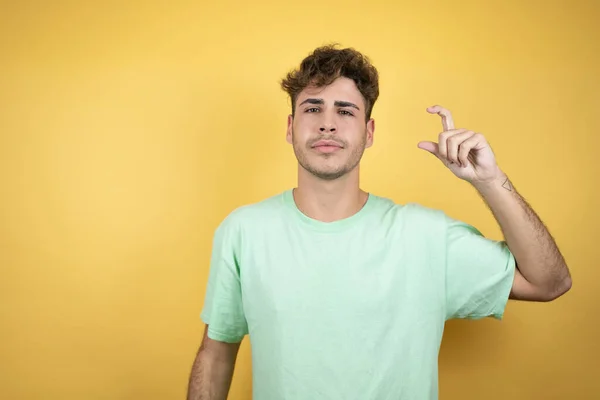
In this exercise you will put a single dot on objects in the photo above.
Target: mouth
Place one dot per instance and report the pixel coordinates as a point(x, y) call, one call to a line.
point(327, 146)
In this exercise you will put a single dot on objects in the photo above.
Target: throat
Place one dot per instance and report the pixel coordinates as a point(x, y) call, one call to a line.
point(329, 207)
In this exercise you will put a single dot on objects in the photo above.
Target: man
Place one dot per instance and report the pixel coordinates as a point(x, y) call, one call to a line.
point(344, 294)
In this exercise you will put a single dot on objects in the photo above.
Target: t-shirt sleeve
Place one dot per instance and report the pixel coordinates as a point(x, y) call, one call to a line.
point(223, 309)
point(479, 273)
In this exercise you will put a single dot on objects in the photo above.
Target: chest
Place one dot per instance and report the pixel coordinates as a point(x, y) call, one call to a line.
point(293, 277)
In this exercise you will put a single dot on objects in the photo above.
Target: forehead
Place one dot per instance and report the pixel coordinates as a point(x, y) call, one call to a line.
point(342, 89)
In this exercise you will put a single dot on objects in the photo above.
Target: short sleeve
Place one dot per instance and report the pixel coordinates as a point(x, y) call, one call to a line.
point(479, 273)
point(223, 309)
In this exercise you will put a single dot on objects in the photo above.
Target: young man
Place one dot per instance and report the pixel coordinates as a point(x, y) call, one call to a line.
point(344, 294)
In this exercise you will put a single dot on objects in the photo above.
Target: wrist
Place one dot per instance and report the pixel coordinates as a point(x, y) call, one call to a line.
point(499, 181)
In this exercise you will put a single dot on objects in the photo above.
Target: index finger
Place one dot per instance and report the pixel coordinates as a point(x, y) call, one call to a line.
point(447, 121)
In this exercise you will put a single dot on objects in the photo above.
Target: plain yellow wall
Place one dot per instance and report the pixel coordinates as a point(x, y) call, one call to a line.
point(129, 130)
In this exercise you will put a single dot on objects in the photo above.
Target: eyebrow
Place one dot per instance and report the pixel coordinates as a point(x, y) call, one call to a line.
point(337, 103)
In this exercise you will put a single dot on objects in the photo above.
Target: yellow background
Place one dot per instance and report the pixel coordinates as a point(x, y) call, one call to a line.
point(128, 130)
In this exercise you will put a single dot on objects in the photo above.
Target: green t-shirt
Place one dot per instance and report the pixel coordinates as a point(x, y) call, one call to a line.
point(352, 309)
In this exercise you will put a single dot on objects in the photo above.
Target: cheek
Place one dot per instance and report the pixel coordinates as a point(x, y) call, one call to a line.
point(349, 125)
point(307, 122)
point(304, 129)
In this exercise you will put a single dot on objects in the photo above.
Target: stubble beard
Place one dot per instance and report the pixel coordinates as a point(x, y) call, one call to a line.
point(328, 173)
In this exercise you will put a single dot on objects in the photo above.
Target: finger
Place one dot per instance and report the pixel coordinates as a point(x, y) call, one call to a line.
point(455, 142)
point(430, 147)
point(447, 120)
point(443, 141)
point(471, 143)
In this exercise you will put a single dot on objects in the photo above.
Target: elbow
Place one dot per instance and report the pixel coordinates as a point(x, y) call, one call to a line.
point(565, 285)
point(558, 289)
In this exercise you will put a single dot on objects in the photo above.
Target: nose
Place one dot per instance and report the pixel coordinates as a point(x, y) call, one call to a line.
point(327, 128)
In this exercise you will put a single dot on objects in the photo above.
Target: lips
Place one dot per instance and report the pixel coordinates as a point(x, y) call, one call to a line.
point(327, 143)
point(327, 146)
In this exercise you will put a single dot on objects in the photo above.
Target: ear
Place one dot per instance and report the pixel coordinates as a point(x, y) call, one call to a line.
point(290, 122)
point(370, 132)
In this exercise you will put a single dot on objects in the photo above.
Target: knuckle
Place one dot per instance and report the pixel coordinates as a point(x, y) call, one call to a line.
point(454, 140)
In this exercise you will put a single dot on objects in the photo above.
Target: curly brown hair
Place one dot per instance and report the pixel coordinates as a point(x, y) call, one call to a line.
point(327, 63)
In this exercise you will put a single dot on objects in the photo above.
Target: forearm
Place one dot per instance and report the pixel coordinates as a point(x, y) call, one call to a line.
point(538, 257)
point(211, 377)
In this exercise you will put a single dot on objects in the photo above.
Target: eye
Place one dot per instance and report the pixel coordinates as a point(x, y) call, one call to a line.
point(312, 109)
point(346, 112)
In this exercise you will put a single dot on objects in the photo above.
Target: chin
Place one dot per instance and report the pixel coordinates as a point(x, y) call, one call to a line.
point(325, 168)
point(328, 173)
point(330, 176)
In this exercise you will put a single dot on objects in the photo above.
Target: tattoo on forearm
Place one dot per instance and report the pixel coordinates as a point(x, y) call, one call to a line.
point(506, 185)
point(548, 259)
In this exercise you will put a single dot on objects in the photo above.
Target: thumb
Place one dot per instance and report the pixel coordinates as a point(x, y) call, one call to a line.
point(430, 147)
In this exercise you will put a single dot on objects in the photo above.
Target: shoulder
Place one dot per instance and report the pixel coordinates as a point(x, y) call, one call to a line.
point(420, 220)
point(253, 213)
point(440, 219)
point(411, 212)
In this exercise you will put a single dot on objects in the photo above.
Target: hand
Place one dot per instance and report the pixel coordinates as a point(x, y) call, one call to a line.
point(466, 153)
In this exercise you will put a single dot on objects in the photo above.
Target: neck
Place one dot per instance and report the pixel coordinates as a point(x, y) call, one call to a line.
point(329, 201)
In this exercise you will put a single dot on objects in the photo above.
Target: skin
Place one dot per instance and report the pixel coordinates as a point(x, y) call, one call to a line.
point(328, 183)
point(329, 190)
point(542, 273)
point(213, 369)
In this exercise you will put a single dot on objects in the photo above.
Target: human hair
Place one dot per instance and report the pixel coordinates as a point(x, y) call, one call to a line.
point(327, 63)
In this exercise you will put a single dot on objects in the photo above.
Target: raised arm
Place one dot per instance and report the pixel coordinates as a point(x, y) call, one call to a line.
point(542, 274)
point(212, 371)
